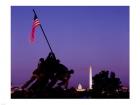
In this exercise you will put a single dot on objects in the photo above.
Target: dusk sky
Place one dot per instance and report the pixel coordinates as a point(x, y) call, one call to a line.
point(79, 36)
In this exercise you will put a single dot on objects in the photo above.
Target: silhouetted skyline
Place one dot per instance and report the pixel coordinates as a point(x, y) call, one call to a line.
point(79, 36)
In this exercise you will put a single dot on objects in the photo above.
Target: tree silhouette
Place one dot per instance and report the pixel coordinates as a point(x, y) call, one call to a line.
point(105, 84)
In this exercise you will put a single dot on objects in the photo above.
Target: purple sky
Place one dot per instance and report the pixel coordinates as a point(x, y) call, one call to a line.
point(79, 36)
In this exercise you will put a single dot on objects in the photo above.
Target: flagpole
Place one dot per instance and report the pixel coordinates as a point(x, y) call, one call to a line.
point(43, 33)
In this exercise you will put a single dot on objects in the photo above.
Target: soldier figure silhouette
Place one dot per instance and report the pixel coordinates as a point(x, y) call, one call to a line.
point(36, 73)
point(50, 72)
point(65, 79)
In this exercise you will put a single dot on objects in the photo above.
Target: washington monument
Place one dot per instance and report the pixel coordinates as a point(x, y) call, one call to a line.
point(90, 77)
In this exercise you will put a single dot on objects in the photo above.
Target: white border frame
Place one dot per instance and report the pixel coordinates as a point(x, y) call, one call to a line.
point(5, 46)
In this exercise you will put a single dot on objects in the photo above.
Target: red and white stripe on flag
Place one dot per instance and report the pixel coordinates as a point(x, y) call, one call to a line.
point(36, 23)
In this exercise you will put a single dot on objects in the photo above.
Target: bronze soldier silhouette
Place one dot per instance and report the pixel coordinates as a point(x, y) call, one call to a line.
point(64, 77)
point(57, 72)
point(49, 72)
point(36, 73)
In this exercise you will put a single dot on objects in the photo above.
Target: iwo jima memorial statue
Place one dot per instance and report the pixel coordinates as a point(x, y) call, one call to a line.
point(49, 80)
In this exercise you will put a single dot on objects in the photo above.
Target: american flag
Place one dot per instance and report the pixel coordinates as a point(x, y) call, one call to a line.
point(36, 23)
